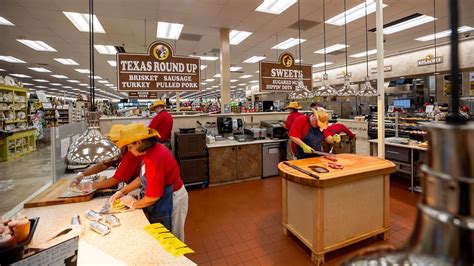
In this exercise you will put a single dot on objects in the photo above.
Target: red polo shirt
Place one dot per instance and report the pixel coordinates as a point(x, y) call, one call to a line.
point(128, 169)
point(163, 123)
point(299, 129)
point(291, 118)
point(161, 169)
point(337, 128)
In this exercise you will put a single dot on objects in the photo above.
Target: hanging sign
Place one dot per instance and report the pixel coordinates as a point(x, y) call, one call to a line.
point(142, 95)
point(385, 69)
point(471, 82)
point(430, 60)
point(284, 75)
point(158, 70)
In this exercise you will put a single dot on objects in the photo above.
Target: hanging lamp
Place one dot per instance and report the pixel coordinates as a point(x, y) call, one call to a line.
point(92, 147)
point(367, 89)
point(346, 89)
point(326, 89)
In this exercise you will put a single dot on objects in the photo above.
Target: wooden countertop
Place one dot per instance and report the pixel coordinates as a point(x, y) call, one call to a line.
point(356, 166)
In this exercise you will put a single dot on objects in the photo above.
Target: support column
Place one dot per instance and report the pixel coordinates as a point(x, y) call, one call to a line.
point(225, 67)
point(380, 81)
point(178, 104)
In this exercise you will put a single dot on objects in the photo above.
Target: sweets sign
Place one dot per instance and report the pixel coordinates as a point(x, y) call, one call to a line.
point(284, 75)
point(159, 70)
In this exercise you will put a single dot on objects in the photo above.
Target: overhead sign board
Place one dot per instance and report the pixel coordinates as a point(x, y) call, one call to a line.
point(385, 69)
point(158, 70)
point(143, 95)
point(284, 75)
point(430, 60)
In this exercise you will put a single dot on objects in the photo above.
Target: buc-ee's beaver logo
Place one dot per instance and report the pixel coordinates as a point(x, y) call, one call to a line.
point(161, 52)
point(287, 60)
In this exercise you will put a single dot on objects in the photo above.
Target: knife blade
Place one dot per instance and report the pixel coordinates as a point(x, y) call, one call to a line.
point(301, 170)
point(323, 153)
point(63, 232)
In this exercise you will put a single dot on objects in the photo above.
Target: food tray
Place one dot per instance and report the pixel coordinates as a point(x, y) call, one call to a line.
point(15, 253)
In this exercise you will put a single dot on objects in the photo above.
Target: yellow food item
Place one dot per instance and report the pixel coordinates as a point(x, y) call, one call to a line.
point(118, 204)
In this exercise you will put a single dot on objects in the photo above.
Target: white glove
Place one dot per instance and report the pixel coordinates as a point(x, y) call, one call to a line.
point(128, 201)
point(77, 179)
point(116, 196)
point(86, 186)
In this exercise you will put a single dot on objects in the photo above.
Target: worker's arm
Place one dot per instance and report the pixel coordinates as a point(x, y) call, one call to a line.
point(132, 186)
point(297, 141)
point(96, 168)
point(306, 148)
point(108, 183)
point(144, 202)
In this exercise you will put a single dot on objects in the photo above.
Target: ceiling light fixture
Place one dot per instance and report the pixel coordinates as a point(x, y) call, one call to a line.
point(81, 22)
point(37, 45)
point(105, 49)
point(1, 69)
point(236, 37)
point(20, 75)
point(112, 63)
point(83, 85)
point(11, 59)
point(166, 30)
point(275, 7)
point(209, 80)
point(246, 76)
point(354, 13)
point(203, 67)
point(322, 64)
point(83, 70)
point(41, 87)
point(55, 84)
point(235, 68)
point(331, 48)
point(367, 89)
point(40, 80)
point(288, 43)
point(362, 54)
point(59, 76)
point(102, 81)
point(346, 89)
point(73, 81)
point(5, 22)
point(254, 59)
point(40, 69)
point(95, 77)
point(66, 61)
point(443, 34)
point(205, 57)
point(407, 23)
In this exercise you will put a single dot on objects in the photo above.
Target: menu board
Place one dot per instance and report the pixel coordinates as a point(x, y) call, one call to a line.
point(283, 76)
point(157, 70)
point(471, 82)
point(142, 95)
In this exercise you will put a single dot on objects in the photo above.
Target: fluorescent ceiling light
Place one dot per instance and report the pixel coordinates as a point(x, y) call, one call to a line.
point(322, 64)
point(166, 30)
point(20, 75)
point(40, 69)
point(234, 80)
point(55, 84)
point(203, 83)
point(1, 69)
point(82, 70)
point(370, 52)
point(11, 59)
point(209, 80)
point(109, 85)
point(353, 14)
point(254, 81)
point(203, 67)
point(254, 59)
point(407, 24)
point(73, 81)
point(37, 45)
point(246, 76)
point(59, 76)
point(83, 85)
point(41, 87)
point(331, 48)
point(241, 84)
point(40, 80)
point(217, 76)
point(66, 61)
point(113, 87)
point(205, 57)
point(5, 22)
point(81, 21)
point(288, 43)
point(112, 63)
point(67, 87)
point(28, 84)
point(235, 68)
point(102, 81)
point(105, 49)
point(215, 86)
point(275, 6)
point(236, 37)
point(96, 77)
point(443, 34)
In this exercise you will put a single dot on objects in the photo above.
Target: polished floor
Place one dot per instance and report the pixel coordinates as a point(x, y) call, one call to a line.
point(241, 224)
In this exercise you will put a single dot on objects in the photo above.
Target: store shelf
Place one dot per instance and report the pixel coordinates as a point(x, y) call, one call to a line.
point(13, 122)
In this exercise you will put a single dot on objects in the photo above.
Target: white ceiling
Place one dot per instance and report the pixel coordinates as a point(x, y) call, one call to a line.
point(124, 23)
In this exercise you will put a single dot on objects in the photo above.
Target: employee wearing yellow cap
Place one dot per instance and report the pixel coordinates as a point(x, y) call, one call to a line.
point(306, 133)
point(128, 167)
point(293, 107)
point(163, 195)
point(162, 122)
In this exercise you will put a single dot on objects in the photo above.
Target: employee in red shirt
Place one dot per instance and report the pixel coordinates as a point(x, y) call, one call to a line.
point(163, 195)
point(306, 133)
point(293, 107)
point(128, 167)
point(162, 122)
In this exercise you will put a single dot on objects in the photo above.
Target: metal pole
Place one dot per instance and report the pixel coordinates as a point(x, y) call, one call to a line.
point(380, 81)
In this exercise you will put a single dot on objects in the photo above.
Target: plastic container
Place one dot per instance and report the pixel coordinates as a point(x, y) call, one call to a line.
point(14, 254)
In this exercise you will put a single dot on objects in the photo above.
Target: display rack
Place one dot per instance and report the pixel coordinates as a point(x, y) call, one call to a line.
point(401, 125)
point(65, 114)
point(50, 117)
point(17, 144)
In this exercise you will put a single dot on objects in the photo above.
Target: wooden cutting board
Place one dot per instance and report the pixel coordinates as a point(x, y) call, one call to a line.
point(53, 195)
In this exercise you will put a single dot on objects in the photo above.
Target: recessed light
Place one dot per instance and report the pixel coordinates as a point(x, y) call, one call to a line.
point(406, 23)
point(81, 21)
point(67, 87)
point(109, 85)
point(20, 75)
point(73, 81)
point(5, 22)
point(102, 81)
point(258, 71)
point(235, 68)
point(443, 34)
point(254, 81)
point(37, 45)
point(41, 87)
point(83, 70)
point(275, 6)
point(203, 67)
point(59, 76)
point(205, 57)
point(203, 83)
point(234, 80)
point(209, 80)
point(217, 76)
point(112, 63)
point(241, 84)
point(11, 59)
point(28, 84)
point(40, 69)
point(40, 80)
point(83, 85)
point(105, 49)
point(246, 76)
point(288, 43)
point(1, 69)
point(362, 54)
point(254, 59)
point(166, 30)
point(236, 37)
point(95, 77)
point(331, 48)
point(353, 14)
point(113, 87)
point(322, 64)
point(66, 61)
point(55, 84)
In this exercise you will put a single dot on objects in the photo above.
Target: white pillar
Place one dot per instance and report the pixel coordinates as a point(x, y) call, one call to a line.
point(225, 67)
point(178, 104)
point(380, 81)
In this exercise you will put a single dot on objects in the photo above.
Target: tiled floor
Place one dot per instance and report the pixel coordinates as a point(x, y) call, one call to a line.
point(240, 224)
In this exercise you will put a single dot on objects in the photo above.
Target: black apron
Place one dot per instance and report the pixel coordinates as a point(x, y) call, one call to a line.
point(313, 138)
point(162, 210)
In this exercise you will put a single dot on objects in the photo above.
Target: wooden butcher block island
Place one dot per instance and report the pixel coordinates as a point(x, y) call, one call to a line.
point(343, 207)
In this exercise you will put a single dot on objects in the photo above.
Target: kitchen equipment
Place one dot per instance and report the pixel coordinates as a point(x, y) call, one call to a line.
point(274, 129)
point(8, 256)
point(257, 133)
point(301, 170)
point(243, 138)
point(190, 144)
point(237, 124)
point(270, 158)
point(187, 130)
point(224, 124)
point(191, 155)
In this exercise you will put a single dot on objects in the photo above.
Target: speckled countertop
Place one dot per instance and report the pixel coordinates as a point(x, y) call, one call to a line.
point(128, 243)
point(229, 143)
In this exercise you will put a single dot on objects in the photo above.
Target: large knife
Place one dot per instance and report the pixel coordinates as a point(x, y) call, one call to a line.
point(323, 153)
point(301, 170)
